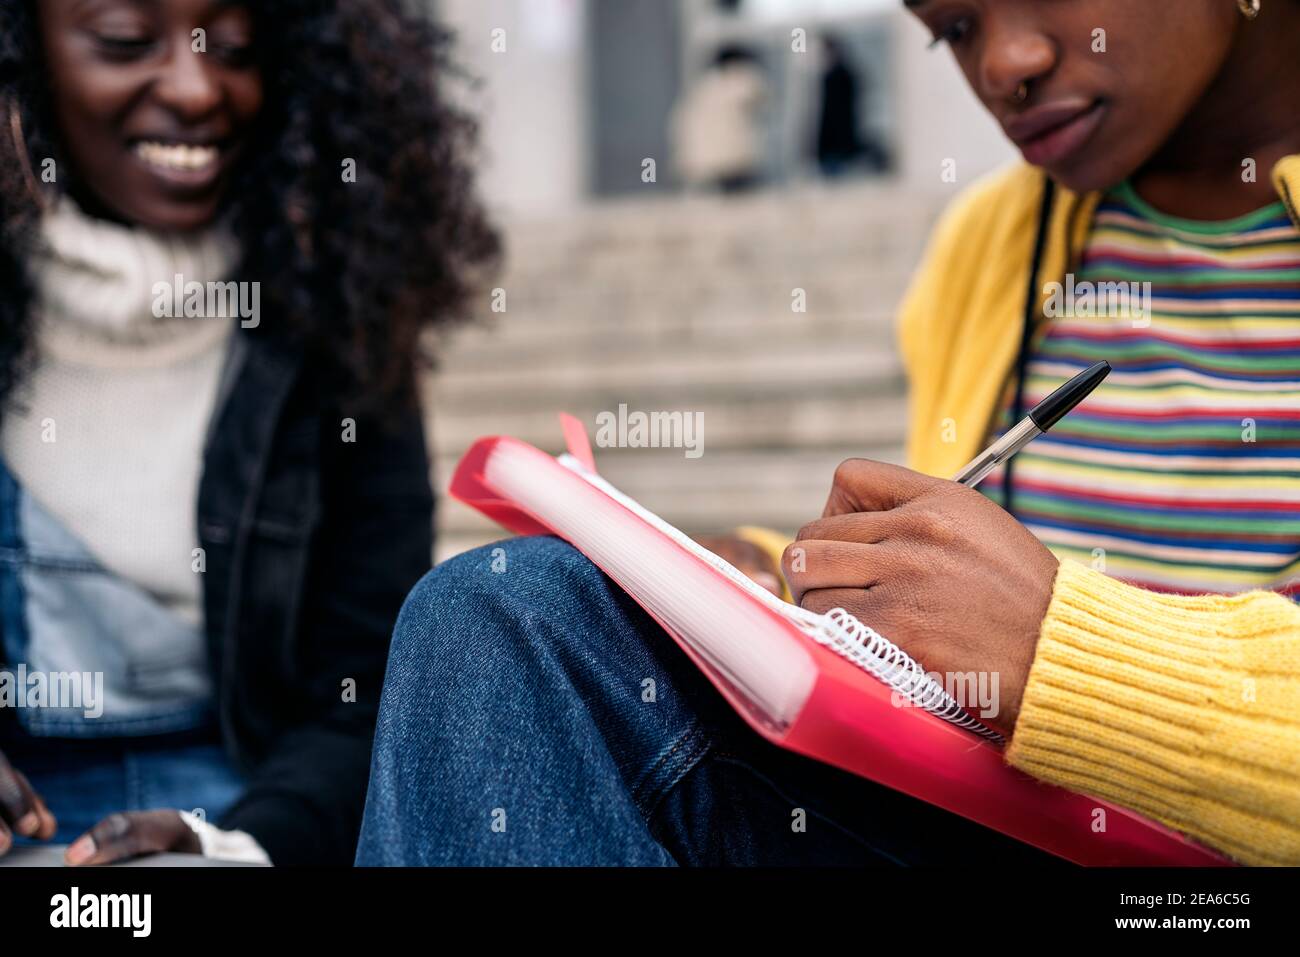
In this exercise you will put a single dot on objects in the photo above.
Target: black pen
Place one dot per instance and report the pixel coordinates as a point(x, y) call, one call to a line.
point(1040, 418)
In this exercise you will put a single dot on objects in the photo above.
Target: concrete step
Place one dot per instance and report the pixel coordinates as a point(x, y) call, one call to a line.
point(810, 253)
point(670, 381)
point(684, 304)
point(784, 218)
point(868, 257)
point(791, 418)
point(537, 336)
point(880, 434)
point(576, 279)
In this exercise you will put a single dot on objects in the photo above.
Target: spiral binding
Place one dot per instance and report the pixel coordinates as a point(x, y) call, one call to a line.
point(837, 630)
point(851, 639)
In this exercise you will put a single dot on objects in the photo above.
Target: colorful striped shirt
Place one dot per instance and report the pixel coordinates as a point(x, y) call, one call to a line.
point(1181, 473)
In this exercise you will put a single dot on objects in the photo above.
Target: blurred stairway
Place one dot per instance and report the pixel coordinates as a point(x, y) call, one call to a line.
point(685, 304)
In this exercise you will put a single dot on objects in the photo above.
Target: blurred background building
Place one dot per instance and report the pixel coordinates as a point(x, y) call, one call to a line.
point(709, 206)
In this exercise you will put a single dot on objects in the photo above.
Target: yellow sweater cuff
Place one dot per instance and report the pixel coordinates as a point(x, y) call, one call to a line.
point(1185, 709)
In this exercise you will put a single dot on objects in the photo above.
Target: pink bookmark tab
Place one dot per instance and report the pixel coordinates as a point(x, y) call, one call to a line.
point(575, 438)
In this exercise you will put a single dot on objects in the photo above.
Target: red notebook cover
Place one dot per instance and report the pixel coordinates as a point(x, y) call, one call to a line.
point(851, 720)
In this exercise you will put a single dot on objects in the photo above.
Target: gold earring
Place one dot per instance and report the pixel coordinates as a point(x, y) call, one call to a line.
point(1249, 8)
point(1022, 91)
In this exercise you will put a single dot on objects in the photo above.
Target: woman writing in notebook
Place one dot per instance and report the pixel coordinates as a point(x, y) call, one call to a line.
point(209, 517)
point(1129, 578)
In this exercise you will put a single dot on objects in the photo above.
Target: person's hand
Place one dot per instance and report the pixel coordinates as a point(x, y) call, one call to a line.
point(21, 809)
point(937, 568)
point(756, 564)
point(130, 834)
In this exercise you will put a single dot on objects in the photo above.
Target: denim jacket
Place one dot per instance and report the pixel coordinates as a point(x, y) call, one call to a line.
point(311, 543)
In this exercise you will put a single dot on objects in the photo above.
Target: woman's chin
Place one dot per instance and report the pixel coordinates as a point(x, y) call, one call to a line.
point(1089, 175)
point(176, 217)
point(150, 209)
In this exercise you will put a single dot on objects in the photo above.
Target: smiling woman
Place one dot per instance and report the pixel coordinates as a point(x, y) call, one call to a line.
point(162, 114)
point(216, 511)
point(156, 103)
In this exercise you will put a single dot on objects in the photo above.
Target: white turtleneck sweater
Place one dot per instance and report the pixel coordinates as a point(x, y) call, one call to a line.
point(108, 429)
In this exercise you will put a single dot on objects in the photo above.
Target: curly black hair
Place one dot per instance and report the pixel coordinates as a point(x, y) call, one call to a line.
point(353, 272)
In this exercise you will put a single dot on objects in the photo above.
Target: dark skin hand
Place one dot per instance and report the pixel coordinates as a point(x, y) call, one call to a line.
point(934, 566)
point(21, 809)
point(120, 837)
point(116, 838)
point(152, 129)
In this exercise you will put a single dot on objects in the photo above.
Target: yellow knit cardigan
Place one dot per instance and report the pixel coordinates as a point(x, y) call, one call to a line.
point(1185, 709)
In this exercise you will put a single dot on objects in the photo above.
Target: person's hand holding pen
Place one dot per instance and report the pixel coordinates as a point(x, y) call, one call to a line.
point(933, 565)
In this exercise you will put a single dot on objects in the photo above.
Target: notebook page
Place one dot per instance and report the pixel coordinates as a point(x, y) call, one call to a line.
point(733, 635)
point(838, 630)
point(733, 574)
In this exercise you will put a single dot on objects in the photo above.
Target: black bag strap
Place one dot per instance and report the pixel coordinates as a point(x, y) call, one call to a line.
point(1027, 329)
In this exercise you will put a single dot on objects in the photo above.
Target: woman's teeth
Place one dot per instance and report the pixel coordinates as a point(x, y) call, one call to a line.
point(179, 156)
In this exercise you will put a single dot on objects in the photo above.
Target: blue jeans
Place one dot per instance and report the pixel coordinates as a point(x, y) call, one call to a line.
point(85, 780)
point(534, 714)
